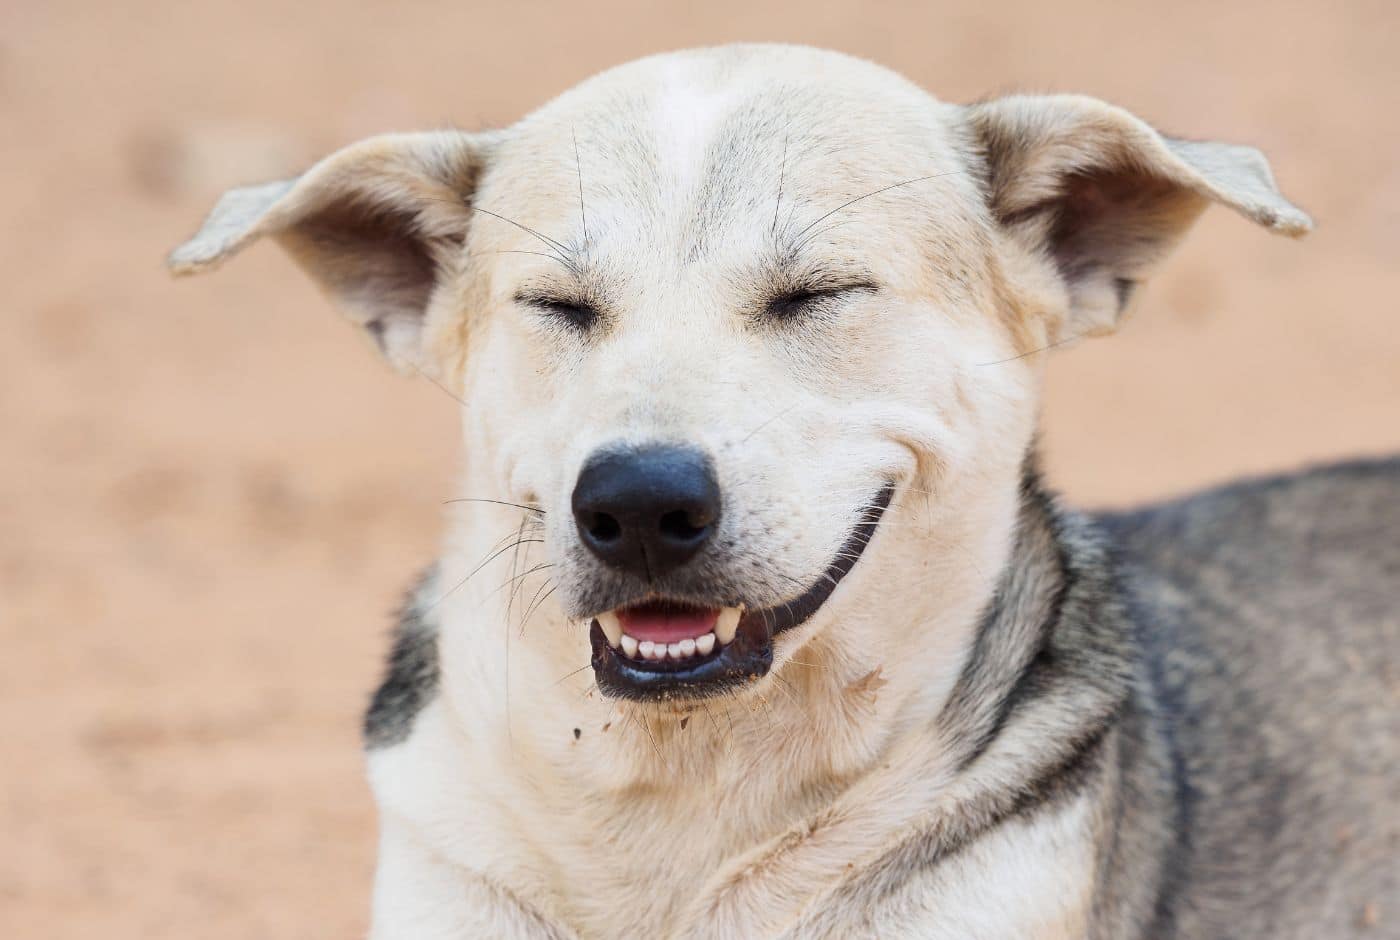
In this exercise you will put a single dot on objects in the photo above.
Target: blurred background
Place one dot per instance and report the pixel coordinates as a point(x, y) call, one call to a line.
point(214, 491)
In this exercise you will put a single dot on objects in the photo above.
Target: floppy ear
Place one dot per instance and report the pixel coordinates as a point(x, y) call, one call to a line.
point(374, 224)
point(1106, 197)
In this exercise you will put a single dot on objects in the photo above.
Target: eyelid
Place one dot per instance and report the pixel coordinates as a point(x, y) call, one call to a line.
point(546, 299)
point(844, 287)
point(829, 286)
point(548, 302)
point(577, 310)
point(799, 295)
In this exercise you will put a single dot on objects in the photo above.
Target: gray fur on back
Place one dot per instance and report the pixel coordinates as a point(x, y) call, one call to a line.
point(1268, 614)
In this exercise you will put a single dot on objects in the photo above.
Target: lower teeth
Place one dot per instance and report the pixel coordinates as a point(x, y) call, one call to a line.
point(648, 651)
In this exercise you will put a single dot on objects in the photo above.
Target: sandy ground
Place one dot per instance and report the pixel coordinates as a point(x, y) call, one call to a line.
point(213, 491)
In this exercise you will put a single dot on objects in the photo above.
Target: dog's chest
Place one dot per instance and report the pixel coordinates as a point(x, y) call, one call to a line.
point(662, 876)
point(644, 863)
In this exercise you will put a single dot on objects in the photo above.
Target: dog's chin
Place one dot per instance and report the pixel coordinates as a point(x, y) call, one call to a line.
point(669, 650)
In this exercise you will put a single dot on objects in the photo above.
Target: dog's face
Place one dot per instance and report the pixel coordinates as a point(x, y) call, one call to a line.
point(712, 377)
point(724, 316)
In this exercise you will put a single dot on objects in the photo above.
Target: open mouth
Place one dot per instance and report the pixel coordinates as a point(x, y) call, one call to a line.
point(664, 649)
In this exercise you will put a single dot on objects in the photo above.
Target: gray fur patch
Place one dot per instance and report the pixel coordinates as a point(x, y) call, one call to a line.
point(411, 677)
point(1055, 634)
point(1268, 618)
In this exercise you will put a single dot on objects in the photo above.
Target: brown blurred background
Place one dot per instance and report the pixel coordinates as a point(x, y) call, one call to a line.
point(213, 491)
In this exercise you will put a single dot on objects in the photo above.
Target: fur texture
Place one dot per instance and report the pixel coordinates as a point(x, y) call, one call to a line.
point(1008, 720)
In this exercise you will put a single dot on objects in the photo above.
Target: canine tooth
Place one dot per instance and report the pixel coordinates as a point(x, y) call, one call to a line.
point(688, 647)
point(727, 625)
point(629, 646)
point(704, 645)
point(612, 628)
point(675, 650)
point(647, 648)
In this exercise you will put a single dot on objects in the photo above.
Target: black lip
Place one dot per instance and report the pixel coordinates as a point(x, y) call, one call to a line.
point(750, 656)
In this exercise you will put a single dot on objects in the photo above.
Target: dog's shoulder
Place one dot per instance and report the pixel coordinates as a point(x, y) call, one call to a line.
point(1265, 612)
point(1301, 564)
point(411, 676)
point(1268, 514)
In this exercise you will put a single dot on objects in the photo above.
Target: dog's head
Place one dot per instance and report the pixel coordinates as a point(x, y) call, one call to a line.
point(724, 316)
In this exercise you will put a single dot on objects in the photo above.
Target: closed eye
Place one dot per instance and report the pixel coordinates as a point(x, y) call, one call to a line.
point(803, 299)
point(577, 313)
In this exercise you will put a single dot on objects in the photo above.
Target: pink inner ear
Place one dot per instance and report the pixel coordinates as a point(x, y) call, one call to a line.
point(667, 623)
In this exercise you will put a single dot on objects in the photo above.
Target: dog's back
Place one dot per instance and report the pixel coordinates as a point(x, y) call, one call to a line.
point(1268, 614)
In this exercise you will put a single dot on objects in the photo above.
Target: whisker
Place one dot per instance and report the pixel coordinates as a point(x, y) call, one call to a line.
point(517, 578)
point(1049, 346)
point(819, 233)
point(765, 424)
point(647, 731)
point(549, 242)
point(515, 561)
point(578, 165)
point(498, 502)
point(786, 687)
point(535, 605)
point(884, 189)
point(711, 714)
point(514, 567)
point(470, 574)
point(445, 390)
point(542, 254)
point(782, 175)
point(572, 674)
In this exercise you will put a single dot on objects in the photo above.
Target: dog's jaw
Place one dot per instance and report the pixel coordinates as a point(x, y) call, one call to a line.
point(676, 652)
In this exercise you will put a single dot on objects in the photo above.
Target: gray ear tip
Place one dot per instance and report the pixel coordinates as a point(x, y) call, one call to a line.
point(233, 222)
point(1293, 222)
point(177, 263)
point(187, 259)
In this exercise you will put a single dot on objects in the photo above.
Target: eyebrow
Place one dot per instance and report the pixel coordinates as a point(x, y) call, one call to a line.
point(797, 267)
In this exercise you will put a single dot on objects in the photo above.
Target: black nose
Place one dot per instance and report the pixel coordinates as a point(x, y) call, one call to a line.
point(646, 511)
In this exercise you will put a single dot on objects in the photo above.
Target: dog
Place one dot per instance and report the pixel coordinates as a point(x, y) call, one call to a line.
point(754, 618)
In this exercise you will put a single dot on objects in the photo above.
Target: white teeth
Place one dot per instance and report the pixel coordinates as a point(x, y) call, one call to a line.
point(612, 628)
point(727, 625)
point(684, 649)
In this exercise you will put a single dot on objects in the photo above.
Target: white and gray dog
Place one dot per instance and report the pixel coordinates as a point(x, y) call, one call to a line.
point(754, 619)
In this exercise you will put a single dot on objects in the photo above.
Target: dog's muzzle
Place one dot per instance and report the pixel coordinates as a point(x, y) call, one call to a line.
point(663, 649)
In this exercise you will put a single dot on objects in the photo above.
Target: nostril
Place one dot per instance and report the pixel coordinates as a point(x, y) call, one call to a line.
point(603, 528)
point(646, 510)
point(683, 526)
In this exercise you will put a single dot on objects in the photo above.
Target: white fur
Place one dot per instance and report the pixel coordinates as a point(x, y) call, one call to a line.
point(737, 816)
